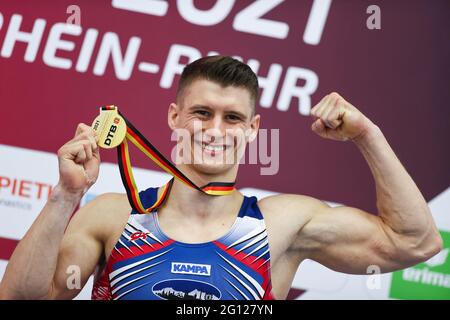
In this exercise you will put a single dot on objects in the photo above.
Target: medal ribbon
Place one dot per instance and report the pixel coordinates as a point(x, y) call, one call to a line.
point(135, 137)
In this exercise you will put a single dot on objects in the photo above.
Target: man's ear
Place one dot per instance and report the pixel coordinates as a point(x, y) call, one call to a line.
point(254, 127)
point(172, 115)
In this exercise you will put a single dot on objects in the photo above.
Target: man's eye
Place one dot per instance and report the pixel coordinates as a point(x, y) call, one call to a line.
point(233, 117)
point(202, 113)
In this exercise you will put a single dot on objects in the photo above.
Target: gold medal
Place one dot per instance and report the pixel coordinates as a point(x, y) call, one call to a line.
point(110, 126)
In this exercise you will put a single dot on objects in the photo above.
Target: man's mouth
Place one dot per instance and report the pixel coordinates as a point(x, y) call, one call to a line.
point(213, 148)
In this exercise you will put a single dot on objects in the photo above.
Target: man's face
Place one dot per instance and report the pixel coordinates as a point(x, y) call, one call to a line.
point(217, 123)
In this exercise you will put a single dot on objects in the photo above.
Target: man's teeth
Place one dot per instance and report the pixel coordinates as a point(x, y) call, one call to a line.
point(213, 148)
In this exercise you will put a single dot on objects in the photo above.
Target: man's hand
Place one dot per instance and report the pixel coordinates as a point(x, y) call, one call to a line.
point(79, 161)
point(337, 119)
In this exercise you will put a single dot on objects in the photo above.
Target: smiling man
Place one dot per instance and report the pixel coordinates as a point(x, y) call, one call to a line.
point(198, 246)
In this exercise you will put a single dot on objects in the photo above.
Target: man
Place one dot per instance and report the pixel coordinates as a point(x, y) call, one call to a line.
point(217, 247)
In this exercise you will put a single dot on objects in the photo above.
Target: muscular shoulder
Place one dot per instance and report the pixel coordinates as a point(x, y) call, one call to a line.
point(287, 214)
point(290, 206)
point(101, 216)
point(108, 201)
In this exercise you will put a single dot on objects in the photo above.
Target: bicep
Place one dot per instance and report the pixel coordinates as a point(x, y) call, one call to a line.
point(349, 240)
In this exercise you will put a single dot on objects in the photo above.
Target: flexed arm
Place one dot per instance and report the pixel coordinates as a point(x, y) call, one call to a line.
point(349, 239)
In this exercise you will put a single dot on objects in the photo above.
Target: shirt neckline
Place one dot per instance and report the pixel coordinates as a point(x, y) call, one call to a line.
point(202, 244)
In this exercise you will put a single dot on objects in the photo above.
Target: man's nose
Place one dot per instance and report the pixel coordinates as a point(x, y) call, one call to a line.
point(216, 124)
point(214, 129)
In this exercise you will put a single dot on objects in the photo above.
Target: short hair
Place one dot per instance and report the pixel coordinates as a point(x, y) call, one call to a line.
point(223, 70)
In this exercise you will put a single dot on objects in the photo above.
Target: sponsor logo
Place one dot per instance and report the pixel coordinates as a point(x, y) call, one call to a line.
point(139, 235)
point(184, 289)
point(191, 268)
point(111, 132)
point(22, 193)
point(428, 280)
point(23, 188)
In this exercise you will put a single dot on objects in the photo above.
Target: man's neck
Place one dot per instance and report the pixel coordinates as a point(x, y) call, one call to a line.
point(201, 179)
point(187, 202)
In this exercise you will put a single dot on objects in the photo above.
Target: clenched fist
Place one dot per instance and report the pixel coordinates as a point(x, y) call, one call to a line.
point(79, 161)
point(339, 120)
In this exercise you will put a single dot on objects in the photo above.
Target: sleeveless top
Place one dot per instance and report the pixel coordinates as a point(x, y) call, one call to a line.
point(145, 264)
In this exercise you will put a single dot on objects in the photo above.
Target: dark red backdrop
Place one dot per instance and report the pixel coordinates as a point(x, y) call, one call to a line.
point(398, 76)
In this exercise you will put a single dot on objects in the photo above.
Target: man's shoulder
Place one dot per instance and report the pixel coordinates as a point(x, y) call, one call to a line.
point(290, 204)
point(106, 204)
point(287, 213)
point(109, 197)
point(285, 216)
point(102, 216)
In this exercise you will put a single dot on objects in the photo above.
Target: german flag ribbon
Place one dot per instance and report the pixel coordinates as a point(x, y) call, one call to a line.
point(114, 130)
